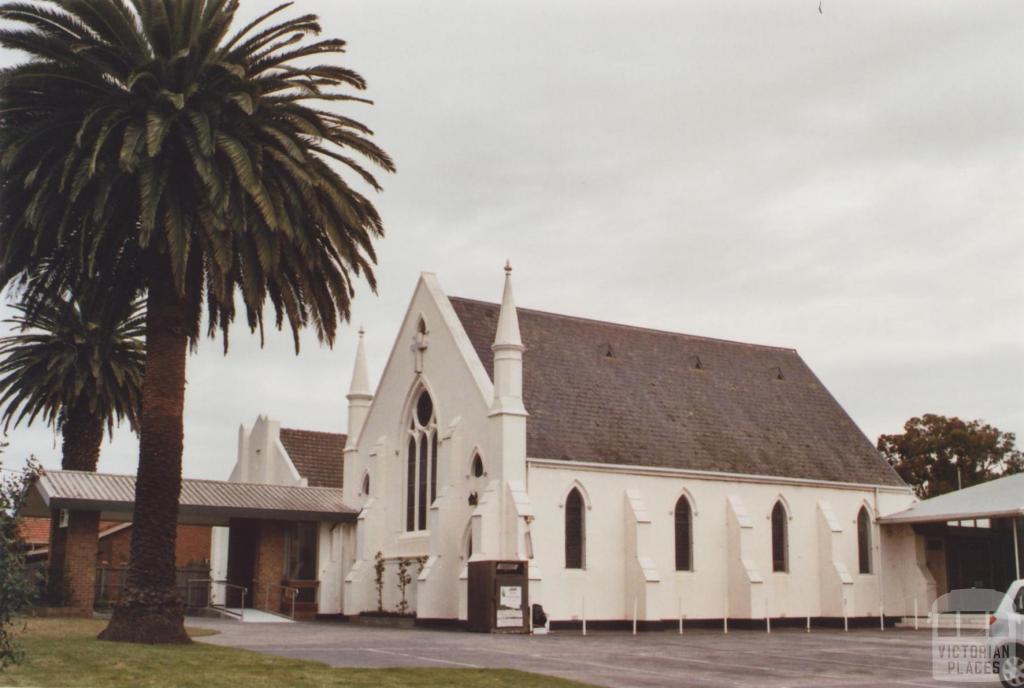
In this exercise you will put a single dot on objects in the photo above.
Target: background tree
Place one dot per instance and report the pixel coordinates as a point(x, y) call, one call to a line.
point(935, 454)
point(139, 137)
point(76, 363)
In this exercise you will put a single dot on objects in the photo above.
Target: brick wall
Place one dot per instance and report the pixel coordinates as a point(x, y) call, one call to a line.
point(269, 565)
point(193, 544)
point(114, 549)
point(74, 558)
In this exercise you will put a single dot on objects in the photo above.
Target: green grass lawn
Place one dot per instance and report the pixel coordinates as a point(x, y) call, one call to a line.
point(65, 652)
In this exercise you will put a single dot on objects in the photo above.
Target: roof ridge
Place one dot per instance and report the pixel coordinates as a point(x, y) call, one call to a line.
point(315, 432)
point(194, 480)
point(625, 326)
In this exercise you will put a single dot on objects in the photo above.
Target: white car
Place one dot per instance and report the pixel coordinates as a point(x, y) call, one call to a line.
point(1006, 630)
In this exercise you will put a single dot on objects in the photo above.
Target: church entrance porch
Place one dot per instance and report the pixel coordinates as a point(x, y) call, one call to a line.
point(974, 537)
point(272, 566)
point(267, 556)
point(971, 553)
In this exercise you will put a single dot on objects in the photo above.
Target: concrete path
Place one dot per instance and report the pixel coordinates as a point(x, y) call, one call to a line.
point(700, 658)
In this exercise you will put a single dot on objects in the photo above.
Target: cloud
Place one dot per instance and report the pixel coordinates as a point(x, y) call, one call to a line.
point(844, 183)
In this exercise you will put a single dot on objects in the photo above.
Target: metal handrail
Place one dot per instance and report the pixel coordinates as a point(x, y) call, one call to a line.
point(293, 591)
point(211, 582)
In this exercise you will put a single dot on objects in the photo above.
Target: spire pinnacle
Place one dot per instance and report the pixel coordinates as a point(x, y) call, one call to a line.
point(508, 320)
point(360, 376)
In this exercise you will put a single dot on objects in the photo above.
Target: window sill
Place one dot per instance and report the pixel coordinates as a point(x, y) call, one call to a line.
point(414, 535)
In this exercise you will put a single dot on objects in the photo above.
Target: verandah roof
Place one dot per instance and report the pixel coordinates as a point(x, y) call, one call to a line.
point(1002, 498)
point(209, 502)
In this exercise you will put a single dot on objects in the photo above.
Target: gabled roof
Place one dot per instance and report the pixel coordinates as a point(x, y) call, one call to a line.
point(319, 457)
point(608, 393)
point(1000, 498)
point(211, 502)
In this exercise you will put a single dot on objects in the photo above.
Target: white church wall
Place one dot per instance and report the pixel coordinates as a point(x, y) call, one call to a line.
point(460, 394)
point(704, 592)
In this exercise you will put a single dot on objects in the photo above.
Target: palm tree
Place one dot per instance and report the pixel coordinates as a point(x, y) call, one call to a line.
point(142, 136)
point(75, 363)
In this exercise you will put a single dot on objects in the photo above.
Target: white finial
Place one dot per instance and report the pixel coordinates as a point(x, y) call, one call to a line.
point(508, 321)
point(360, 375)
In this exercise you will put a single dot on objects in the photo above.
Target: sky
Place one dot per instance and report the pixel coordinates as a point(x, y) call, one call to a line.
point(847, 183)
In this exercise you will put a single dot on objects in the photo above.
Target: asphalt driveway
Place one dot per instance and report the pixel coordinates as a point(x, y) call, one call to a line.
point(700, 658)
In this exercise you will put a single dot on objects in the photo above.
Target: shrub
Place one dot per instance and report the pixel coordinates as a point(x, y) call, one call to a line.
point(378, 570)
point(16, 581)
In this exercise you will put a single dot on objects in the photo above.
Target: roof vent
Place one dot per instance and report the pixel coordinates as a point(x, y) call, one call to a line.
point(777, 373)
point(695, 363)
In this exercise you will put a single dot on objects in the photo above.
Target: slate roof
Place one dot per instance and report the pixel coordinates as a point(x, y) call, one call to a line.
point(608, 393)
point(318, 456)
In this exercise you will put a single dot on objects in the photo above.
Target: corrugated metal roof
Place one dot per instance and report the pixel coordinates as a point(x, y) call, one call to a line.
point(201, 500)
point(1000, 498)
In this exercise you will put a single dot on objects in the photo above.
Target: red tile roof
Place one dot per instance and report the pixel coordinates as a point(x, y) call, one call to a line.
point(35, 531)
point(609, 393)
point(318, 456)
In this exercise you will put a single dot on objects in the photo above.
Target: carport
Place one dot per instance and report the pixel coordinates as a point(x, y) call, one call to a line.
point(973, 537)
point(261, 515)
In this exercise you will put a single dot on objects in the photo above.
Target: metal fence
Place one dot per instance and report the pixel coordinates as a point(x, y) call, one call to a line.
point(110, 582)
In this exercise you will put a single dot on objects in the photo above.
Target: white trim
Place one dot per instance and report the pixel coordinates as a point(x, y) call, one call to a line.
point(428, 282)
point(897, 520)
point(476, 367)
point(473, 455)
point(683, 492)
point(779, 497)
point(575, 485)
point(708, 475)
point(113, 529)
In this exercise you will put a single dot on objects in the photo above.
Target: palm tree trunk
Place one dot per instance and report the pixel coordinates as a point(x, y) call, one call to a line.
point(81, 436)
point(150, 610)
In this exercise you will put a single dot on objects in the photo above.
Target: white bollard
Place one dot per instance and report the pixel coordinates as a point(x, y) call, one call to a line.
point(881, 618)
point(916, 628)
point(725, 625)
point(634, 616)
point(768, 624)
point(680, 615)
point(808, 623)
point(583, 605)
point(846, 618)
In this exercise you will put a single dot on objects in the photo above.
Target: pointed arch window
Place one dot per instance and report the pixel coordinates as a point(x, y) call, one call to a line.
point(421, 463)
point(780, 539)
point(684, 535)
point(864, 540)
point(575, 530)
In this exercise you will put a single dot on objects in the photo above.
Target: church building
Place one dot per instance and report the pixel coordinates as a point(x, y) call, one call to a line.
point(637, 474)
